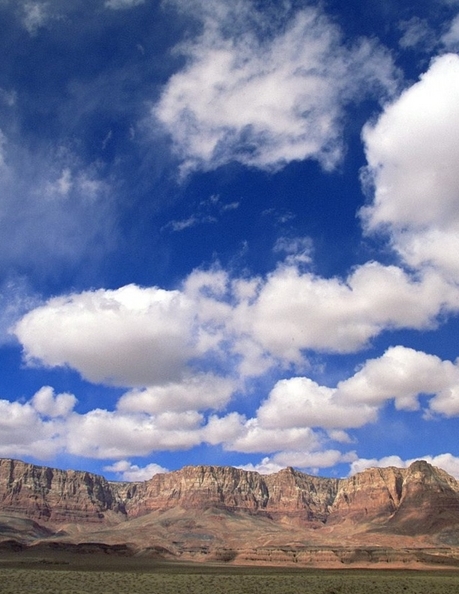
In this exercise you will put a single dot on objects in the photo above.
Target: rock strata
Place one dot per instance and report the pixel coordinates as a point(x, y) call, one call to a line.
point(419, 500)
point(48, 494)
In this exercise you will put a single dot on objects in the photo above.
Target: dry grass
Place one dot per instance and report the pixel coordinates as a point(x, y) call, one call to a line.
point(178, 579)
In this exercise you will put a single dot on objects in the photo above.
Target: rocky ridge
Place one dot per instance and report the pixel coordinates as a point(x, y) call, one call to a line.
point(202, 510)
point(394, 495)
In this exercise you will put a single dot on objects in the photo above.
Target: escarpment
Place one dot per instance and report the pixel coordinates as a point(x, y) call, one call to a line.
point(396, 497)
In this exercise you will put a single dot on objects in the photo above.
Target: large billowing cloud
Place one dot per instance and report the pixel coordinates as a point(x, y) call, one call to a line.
point(296, 424)
point(139, 337)
point(130, 336)
point(412, 154)
point(199, 391)
point(36, 428)
point(270, 99)
point(294, 311)
point(401, 374)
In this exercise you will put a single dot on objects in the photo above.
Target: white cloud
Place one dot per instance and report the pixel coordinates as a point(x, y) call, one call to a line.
point(295, 424)
point(322, 459)
point(266, 466)
point(400, 374)
point(238, 434)
point(49, 404)
point(148, 337)
point(417, 34)
point(256, 438)
point(412, 157)
point(451, 38)
point(132, 472)
point(295, 311)
point(55, 210)
point(300, 402)
point(307, 461)
point(403, 374)
point(36, 15)
point(24, 432)
point(122, 4)
point(196, 392)
point(106, 434)
point(143, 336)
point(265, 103)
point(447, 462)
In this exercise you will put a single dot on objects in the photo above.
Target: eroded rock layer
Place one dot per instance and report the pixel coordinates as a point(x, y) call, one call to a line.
point(395, 494)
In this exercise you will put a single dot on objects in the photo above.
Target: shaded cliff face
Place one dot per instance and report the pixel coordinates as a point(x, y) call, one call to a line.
point(45, 493)
point(418, 500)
point(374, 493)
point(429, 501)
point(200, 487)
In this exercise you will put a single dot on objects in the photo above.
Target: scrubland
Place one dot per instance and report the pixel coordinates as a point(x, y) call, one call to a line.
point(179, 579)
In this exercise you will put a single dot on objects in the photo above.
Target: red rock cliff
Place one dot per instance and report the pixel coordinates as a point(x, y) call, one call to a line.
point(418, 499)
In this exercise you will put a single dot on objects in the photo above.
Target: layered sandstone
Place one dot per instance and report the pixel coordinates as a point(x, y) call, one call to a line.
point(48, 494)
point(418, 500)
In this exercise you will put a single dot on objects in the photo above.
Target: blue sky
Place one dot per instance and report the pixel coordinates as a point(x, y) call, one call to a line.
point(229, 234)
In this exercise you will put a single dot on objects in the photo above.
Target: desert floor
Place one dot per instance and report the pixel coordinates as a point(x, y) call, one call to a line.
point(102, 574)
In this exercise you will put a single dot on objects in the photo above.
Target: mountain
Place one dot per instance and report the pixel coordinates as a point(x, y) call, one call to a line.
point(226, 514)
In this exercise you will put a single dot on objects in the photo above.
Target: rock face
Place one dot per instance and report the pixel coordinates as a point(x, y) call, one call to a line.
point(290, 505)
point(48, 494)
point(287, 492)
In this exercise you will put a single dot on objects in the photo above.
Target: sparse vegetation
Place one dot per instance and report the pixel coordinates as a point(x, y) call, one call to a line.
point(187, 579)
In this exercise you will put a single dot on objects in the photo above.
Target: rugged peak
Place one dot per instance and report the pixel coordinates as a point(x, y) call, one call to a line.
point(419, 498)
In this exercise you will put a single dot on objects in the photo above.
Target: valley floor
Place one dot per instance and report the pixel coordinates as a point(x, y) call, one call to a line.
point(100, 574)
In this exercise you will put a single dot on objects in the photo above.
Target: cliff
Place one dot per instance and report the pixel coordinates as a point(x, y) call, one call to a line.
point(48, 494)
point(419, 500)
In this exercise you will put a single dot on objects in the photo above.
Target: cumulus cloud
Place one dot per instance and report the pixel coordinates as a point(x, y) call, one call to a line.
point(299, 401)
point(294, 425)
point(401, 374)
point(307, 461)
point(404, 374)
point(295, 311)
point(49, 404)
point(130, 336)
point(412, 157)
point(266, 466)
point(149, 336)
point(110, 435)
point(126, 471)
point(239, 434)
point(36, 428)
point(196, 392)
point(270, 99)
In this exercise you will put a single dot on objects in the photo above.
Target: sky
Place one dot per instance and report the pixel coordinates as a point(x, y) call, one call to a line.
point(229, 234)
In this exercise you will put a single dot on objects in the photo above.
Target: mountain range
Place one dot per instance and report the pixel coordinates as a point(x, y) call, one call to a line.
point(211, 513)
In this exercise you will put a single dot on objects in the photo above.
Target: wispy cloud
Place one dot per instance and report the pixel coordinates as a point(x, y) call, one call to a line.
point(122, 4)
point(207, 212)
point(266, 103)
